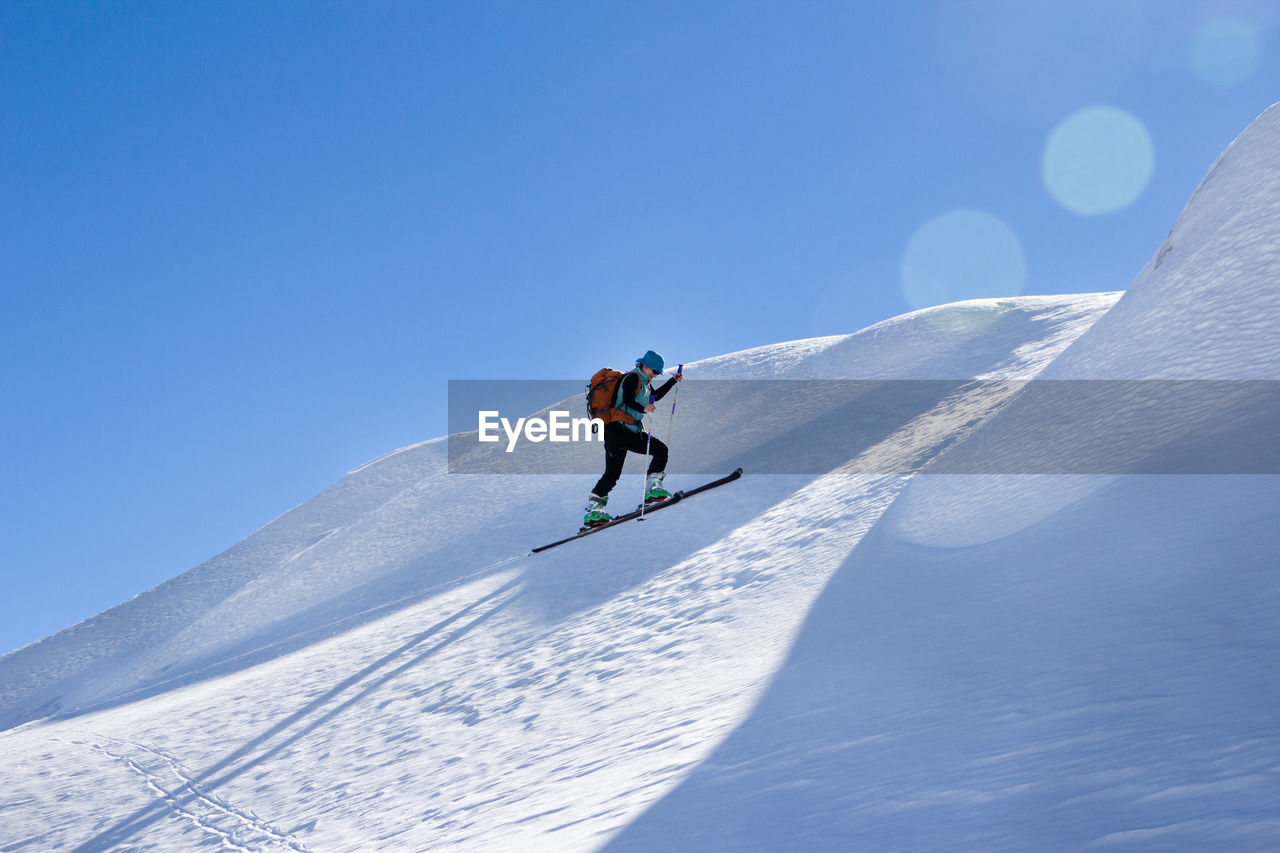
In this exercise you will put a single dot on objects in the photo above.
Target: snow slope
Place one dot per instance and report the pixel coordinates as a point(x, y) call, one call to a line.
point(827, 661)
point(1047, 662)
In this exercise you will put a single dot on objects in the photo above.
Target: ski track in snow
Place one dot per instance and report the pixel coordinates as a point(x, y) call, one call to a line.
point(234, 828)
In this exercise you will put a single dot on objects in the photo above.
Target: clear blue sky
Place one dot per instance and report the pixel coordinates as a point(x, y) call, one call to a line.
point(246, 244)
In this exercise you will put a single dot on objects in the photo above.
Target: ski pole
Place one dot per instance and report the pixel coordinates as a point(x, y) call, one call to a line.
point(644, 483)
point(674, 394)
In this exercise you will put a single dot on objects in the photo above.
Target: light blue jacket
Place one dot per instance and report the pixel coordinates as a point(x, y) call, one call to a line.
point(642, 396)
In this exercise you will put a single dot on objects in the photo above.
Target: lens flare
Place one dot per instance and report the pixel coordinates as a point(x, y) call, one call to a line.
point(962, 254)
point(1098, 160)
point(1225, 52)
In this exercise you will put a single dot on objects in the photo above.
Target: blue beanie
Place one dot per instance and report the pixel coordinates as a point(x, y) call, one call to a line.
point(651, 360)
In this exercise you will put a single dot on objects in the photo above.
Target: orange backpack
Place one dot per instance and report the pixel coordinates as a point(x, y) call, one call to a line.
point(602, 394)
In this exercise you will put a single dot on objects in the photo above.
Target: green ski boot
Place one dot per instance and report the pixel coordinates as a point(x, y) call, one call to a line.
point(596, 515)
point(653, 491)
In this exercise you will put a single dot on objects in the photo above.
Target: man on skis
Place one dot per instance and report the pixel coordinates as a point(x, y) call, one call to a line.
point(621, 436)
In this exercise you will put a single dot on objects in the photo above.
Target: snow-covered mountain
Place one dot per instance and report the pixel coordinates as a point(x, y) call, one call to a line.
point(831, 661)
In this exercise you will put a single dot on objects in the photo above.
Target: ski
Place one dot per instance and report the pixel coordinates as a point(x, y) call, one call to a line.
point(676, 497)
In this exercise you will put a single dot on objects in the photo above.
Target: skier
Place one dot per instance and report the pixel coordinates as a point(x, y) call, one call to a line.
point(619, 437)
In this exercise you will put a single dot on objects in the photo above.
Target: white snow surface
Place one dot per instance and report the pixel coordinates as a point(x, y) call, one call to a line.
point(828, 662)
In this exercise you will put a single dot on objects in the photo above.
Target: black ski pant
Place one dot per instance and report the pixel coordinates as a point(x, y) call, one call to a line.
point(618, 440)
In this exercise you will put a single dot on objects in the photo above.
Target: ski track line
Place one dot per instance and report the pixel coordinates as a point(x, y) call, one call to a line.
point(190, 800)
